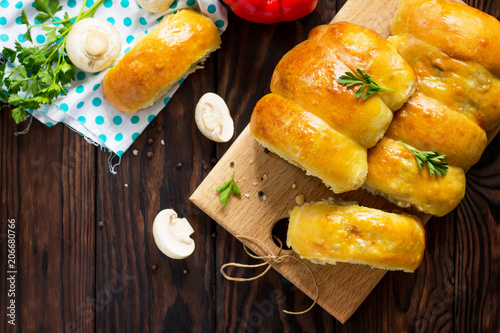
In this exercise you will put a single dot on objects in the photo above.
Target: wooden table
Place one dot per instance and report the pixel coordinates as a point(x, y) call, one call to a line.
point(86, 259)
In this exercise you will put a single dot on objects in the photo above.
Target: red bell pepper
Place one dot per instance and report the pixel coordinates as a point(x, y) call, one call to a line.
point(271, 11)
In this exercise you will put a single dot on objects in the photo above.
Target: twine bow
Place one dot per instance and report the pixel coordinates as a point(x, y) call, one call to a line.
point(268, 259)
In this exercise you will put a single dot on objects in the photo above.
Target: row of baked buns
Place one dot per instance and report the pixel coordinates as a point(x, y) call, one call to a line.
point(451, 48)
point(319, 124)
point(438, 71)
point(324, 126)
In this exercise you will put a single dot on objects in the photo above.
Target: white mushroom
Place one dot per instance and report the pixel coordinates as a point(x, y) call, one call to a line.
point(155, 6)
point(213, 118)
point(93, 44)
point(171, 235)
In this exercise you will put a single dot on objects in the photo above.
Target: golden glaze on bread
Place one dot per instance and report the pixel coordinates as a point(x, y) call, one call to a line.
point(311, 82)
point(394, 173)
point(306, 93)
point(159, 59)
point(327, 232)
point(308, 142)
point(461, 85)
point(460, 31)
point(362, 48)
point(429, 125)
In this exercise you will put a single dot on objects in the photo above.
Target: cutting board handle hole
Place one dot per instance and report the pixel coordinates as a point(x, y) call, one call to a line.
point(280, 229)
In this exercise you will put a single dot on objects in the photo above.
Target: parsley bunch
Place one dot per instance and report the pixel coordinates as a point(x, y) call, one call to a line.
point(45, 69)
point(226, 189)
point(432, 158)
point(350, 79)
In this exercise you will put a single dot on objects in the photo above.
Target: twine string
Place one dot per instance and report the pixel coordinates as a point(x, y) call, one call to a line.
point(268, 260)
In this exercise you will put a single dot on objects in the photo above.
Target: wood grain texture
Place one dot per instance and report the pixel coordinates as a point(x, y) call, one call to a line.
point(67, 290)
point(156, 293)
point(47, 182)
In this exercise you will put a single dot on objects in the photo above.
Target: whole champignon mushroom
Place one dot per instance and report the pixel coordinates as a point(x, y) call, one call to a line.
point(213, 118)
point(93, 44)
point(171, 235)
point(155, 6)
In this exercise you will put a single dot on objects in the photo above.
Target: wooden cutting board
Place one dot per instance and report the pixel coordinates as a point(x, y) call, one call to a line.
point(343, 287)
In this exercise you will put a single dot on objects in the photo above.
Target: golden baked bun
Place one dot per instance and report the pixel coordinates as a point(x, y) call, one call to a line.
point(145, 73)
point(460, 31)
point(464, 86)
point(307, 75)
point(308, 142)
point(315, 122)
point(327, 232)
point(362, 48)
point(429, 125)
point(393, 173)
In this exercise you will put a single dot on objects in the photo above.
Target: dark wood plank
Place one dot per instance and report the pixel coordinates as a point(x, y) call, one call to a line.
point(47, 181)
point(157, 293)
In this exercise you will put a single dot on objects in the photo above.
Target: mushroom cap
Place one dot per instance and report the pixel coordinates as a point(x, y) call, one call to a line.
point(213, 118)
point(93, 44)
point(171, 235)
point(155, 6)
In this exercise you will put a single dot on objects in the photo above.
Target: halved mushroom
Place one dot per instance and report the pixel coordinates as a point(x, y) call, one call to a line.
point(171, 235)
point(155, 6)
point(213, 118)
point(93, 44)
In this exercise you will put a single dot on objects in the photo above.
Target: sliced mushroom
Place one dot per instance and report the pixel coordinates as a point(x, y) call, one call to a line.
point(213, 118)
point(171, 235)
point(155, 6)
point(93, 44)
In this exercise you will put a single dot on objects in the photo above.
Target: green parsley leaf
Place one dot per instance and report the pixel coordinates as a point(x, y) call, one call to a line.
point(45, 69)
point(226, 189)
point(349, 79)
point(19, 115)
point(433, 160)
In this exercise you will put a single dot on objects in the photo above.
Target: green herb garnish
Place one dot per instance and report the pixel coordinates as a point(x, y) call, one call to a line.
point(226, 189)
point(350, 79)
point(44, 69)
point(433, 160)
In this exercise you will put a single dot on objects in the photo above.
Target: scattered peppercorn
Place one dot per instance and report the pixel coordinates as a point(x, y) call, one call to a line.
point(260, 193)
point(154, 267)
point(150, 154)
point(150, 141)
point(231, 164)
point(266, 151)
point(179, 165)
point(213, 160)
point(101, 224)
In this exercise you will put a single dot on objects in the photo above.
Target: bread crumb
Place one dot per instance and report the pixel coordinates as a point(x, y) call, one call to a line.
point(126, 185)
point(299, 199)
point(162, 142)
point(244, 178)
point(264, 197)
point(247, 195)
point(294, 186)
point(264, 177)
point(254, 183)
point(251, 161)
point(135, 152)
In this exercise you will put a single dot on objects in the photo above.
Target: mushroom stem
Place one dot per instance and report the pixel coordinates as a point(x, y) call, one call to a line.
point(96, 43)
